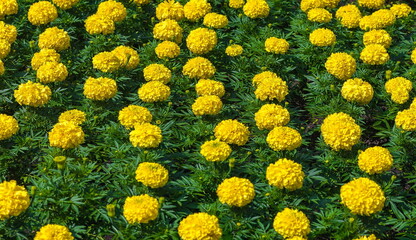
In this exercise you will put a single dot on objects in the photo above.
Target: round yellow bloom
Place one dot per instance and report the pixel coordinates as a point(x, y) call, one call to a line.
point(270, 116)
point(32, 94)
point(347, 10)
point(306, 5)
point(341, 65)
point(75, 116)
point(66, 135)
point(133, 115)
point(236, 192)
point(215, 20)
point(362, 196)
point(146, 135)
point(413, 56)
point(65, 4)
point(352, 20)
point(113, 10)
point(99, 24)
point(14, 199)
point(381, 37)
point(200, 226)
point(209, 87)
point(413, 104)
point(285, 173)
point(284, 138)
point(373, 4)
point(100, 88)
point(330, 3)
point(141, 209)
point(374, 54)
point(256, 9)
point(54, 38)
point(236, 3)
point(8, 7)
point(8, 32)
point(141, 2)
point(152, 175)
point(8, 127)
point(291, 223)
point(53, 232)
point(400, 10)
point(399, 88)
point(129, 58)
point(106, 62)
point(271, 88)
point(44, 56)
point(232, 132)
point(258, 78)
point(371, 237)
point(167, 49)
point(369, 23)
point(276, 45)
point(201, 40)
point(154, 91)
point(215, 150)
point(234, 50)
point(322, 37)
point(384, 18)
point(340, 131)
point(357, 90)
point(2, 69)
point(168, 30)
point(169, 9)
point(5, 47)
point(42, 12)
point(157, 72)
point(52, 72)
point(196, 9)
point(320, 15)
point(375, 160)
point(207, 105)
point(198, 67)
point(406, 119)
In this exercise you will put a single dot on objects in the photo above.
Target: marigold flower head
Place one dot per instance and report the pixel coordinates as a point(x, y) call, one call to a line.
point(146, 135)
point(400, 10)
point(232, 132)
point(413, 56)
point(198, 67)
point(284, 138)
point(207, 105)
point(373, 4)
point(285, 173)
point(113, 10)
point(347, 10)
point(140, 209)
point(157, 72)
point(258, 78)
point(32, 94)
point(351, 21)
point(234, 50)
point(297, 238)
point(129, 58)
point(42, 12)
point(169, 9)
point(5, 48)
point(374, 54)
point(106, 62)
point(53, 232)
point(8, 7)
point(322, 37)
point(384, 18)
point(413, 104)
point(215, 150)
point(368, 23)
point(340, 131)
point(371, 237)
point(167, 49)
point(330, 3)
point(65, 4)
point(236, 3)
point(152, 175)
point(75, 116)
point(99, 24)
point(8, 127)
point(236, 191)
point(375, 160)
point(291, 223)
point(399, 88)
point(201, 40)
point(196, 9)
point(52, 72)
point(200, 226)
point(133, 115)
point(8, 32)
point(100, 89)
point(256, 9)
point(362, 196)
point(320, 15)
point(406, 119)
point(209, 87)
point(44, 56)
point(276, 45)
point(141, 2)
point(168, 30)
point(154, 91)
point(306, 5)
point(341, 65)
point(271, 88)
point(270, 116)
point(357, 90)
point(66, 135)
point(54, 38)
point(215, 20)
point(14, 199)
point(381, 37)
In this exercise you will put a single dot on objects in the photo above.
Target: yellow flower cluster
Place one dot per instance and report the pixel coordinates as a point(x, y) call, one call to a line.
point(256, 9)
point(129, 58)
point(236, 3)
point(374, 54)
point(357, 90)
point(276, 45)
point(291, 223)
point(106, 62)
point(375, 160)
point(232, 132)
point(271, 88)
point(399, 88)
point(234, 50)
point(169, 9)
point(362, 196)
point(75, 116)
point(133, 115)
point(413, 56)
point(378, 19)
point(44, 56)
point(66, 135)
point(349, 15)
point(196, 9)
point(53, 232)
point(112, 10)
point(270, 116)
point(284, 138)
point(320, 15)
point(32, 94)
point(373, 4)
point(65, 4)
point(100, 89)
point(154, 91)
point(152, 175)
point(215, 150)
point(8, 32)
point(306, 5)
point(54, 38)
point(99, 24)
point(285, 173)
point(236, 192)
point(209, 87)
point(14, 199)
point(201, 40)
point(42, 12)
point(215, 20)
point(8, 126)
point(340, 131)
point(322, 37)
point(5, 48)
point(258, 78)
point(8, 7)
point(167, 49)
point(406, 119)
point(157, 72)
point(168, 30)
point(207, 105)
point(52, 72)
point(140, 209)
point(381, 37)
point(198, 67)
point(146, 135)
point(200, 226)
point(371, 237)
point(400, 10)
point(341, 65)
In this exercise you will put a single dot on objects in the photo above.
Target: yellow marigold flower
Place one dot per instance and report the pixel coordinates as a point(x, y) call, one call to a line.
point(66, 135)
point(347, 10)
point(154, 91)
point(146, 135)
point(32, 94)
point(209, 87)
point(362, 196)
point(284, 138)
point(200, 226)
point(113, 10)
point(198, 67)
point(101, 88)
point(5, 47)
point(8, 127)
point(234, 50)
point(340, 131)
point(215, 150)
point(381, 37)
point(413, 56)
point(357, 90)
point(8, 32)
point(369, 23)
point(236, 3)
point(306, 5)
point(297, 238)
point(196, 9)
point(258, 78)
point(201, 40)
point(52, 72)
point(169, 9)
point(320, 15)
point(271, 88)
point(54, 38)
point(75, 116)
point(14, 199)
point(276, 45)
point(351, 21)
point(373, 4)
point(413, 104)
point(406, 119)
point(168, 30)
point(42, 12)
point(401, 10)
point(256, 9)
point(99, 24)
point(374, 54)
point(330, 3)
point(322, 37)
point(2, 69)
point(384, 18)
point(375, 160)
point(232, 132)
point(215, 20)
point(285, 173)
point(65, 4)
point(133, 115)
point(270, 116)
point(8, 7)
point(157, 72)
point(44, 56)
point(141, 2)
point(341, 65)
point(129, 58)
point(106, 62)
point(291, 223)
point(140, 209)
point(207, 105)
point(53, 232)
point(236, 192)
point(167, 49)
point(371, 237)
point(152, 175)
point(399, 88)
